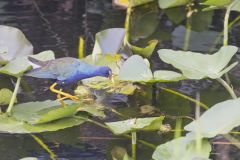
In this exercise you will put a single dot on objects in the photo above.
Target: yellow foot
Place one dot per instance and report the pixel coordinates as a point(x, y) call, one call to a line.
point(59, 98)
point(61, 93)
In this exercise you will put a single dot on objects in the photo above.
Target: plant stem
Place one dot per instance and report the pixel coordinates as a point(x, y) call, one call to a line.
point(10, 106)
point(134, 145)
point(227, 87)
point(185, 97)
point(124, 135)
point(187, 34)
point(44, 146)
point(226, 19)
point(127, 21)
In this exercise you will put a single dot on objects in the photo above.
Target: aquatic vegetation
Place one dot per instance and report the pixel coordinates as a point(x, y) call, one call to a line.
point(137, 69)
point(117, 48)
point(182, 148)
point(219, 119)
point(197, 66)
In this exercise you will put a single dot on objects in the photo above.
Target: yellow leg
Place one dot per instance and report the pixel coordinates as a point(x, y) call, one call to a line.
point(59, 98)
point(67, 95)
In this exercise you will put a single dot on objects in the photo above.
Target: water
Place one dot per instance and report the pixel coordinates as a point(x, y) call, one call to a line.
point(57, 25)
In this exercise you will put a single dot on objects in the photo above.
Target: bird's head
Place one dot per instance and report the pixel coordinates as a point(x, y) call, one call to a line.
point(105, 71)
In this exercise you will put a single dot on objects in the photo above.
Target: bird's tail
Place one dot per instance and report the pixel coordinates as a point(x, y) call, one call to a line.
point(36, 61)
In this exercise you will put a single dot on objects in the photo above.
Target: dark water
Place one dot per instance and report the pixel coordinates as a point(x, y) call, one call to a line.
point(57, 25)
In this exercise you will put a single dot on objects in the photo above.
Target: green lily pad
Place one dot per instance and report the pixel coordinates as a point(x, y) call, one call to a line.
point(167, 76)
point(222, 3)
point(219, 119)
point(110, 60)
point(139, 18)
point(177, 14)
point(236, 6)
point(13, 44)
point(43, 112)
point(119, 153)
point(109, 41)
point(137, 69)
point(196, 65)
point(132, 3)
point(18, 66)
point(93, 109)
point(163, 4)
point(147, 51)
point(5, 96)
point(119, 87)
point(137, 124)
point(182, 149)
point(11, 125)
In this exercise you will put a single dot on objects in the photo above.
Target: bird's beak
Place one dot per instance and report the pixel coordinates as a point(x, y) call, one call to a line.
point(111, 78)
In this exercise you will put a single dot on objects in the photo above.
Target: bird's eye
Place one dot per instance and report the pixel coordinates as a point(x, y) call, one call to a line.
point(63, 82)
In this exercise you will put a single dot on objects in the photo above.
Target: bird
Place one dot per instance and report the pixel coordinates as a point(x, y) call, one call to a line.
point(65, 71)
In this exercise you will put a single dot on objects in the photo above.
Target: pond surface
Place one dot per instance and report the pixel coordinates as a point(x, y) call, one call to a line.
point(56, 25)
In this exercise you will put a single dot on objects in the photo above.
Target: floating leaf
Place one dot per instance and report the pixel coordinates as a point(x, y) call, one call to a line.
point(11, 125)
point(197, 65)
point(13, 44)
point(219, 119)
point(176, 15)
point(119, 153)
point(43, 112)
point(93, 109)
point(18, 66)
point(133, 3)
point(139, 18)
point(163, 4)
point(222, 3)
point(109, 41)
point(29, 158)
point(5, 96)
point(182, 149)
point(147, 51)
point(236, 6)
point(101, 83)
point(167, 76)
point(137, 124)
point(137, 69)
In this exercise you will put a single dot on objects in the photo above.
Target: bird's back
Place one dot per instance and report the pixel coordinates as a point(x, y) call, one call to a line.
point(56, 68)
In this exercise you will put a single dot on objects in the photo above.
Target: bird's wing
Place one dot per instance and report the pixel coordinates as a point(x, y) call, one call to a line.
point(40, 73)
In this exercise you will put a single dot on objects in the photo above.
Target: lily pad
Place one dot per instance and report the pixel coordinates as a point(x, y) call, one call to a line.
point(137, 124)
point(133, 3)
point(5, 96)
point(163, 4)
point(167, 76)
point(196, 65)
point(43, 112)
point(236, 6)
point(222, 3)
point(109, 41)
point(147, 51)
point(13, 44)
point(18, 66)
point(219, 119)
point(182, 149)
point(11, 125)
point(93, 109)
point(137, 69)
point(118, 87)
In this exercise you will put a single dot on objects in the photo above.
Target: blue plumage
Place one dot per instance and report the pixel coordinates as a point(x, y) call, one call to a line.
point(67, 70)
